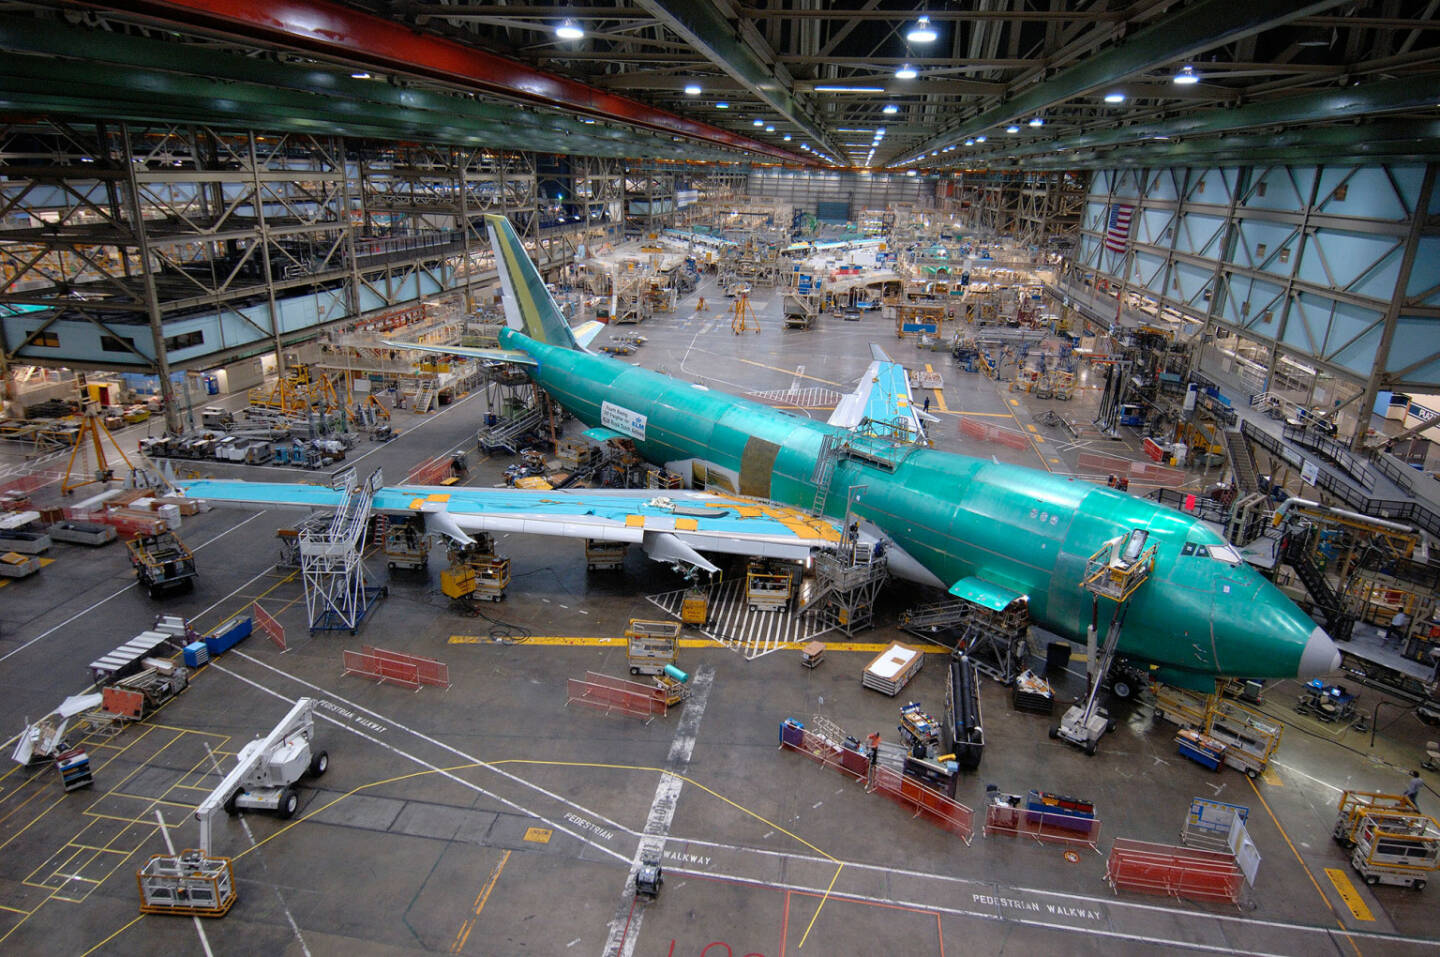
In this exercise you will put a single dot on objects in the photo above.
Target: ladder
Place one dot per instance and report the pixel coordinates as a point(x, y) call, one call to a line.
point(824, 470)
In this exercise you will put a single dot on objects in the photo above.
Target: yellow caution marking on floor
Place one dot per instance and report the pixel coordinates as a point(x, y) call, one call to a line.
point(46, 561)
point(1032, 428)
point(939, 394)
point(1014, 401)
point(1271, 778)
point(1348, 893)
point(538, 835)
point(1054, 461)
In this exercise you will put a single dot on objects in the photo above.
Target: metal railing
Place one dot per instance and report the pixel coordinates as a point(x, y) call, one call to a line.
point(1315, 440)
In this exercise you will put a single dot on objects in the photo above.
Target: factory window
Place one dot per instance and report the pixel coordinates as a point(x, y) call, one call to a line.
point(1260, 188)
point(116, 344)
point(1245, 308)
point(1284, 254)
point(49, 340)
point(1260, 249)
point(1269, 316)
point(1340, 192)
point(1200, 186)
point(184, 341)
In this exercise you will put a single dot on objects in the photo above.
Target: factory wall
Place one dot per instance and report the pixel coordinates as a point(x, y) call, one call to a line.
point(816, 191)
point(1312, 260)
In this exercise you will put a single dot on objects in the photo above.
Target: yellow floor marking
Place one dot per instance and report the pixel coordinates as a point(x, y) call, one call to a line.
point(1271, 778)
point(553, 641)
point(1348, 893)
point(464, 933)
point(1054, 461)
point(1032, 428)
point(940, 405)
point(1303, 866)
point(801, 375)
point(1014, 401)
point(540, 835)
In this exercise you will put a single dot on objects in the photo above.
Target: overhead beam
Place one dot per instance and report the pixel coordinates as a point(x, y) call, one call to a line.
point(1190, 30)
point(708, 30)
point(363, 39)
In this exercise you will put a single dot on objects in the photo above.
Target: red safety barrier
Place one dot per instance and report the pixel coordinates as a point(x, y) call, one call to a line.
point(949, 814)
point(1043, 826)
point(1094, 463)
point(616, 694)
point(428, 671)
point(432, 471)
point(985, 432)
point(825, 751)
point(269, 625)
point(372, 666)
point(1174, 871)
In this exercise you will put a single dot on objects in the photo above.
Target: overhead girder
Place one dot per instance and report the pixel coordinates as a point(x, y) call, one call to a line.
point(363, 39)
point(1395, 139)
point(150, 80)
point(708, 30)
point(1200, 26)
point(1337, 104)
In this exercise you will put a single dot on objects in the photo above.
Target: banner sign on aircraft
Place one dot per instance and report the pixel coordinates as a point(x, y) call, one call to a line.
point(622, 420)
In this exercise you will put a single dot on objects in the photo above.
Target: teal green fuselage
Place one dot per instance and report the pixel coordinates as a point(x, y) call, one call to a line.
point(958, 516)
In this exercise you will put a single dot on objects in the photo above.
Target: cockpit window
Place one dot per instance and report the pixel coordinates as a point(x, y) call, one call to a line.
point(1222, 553)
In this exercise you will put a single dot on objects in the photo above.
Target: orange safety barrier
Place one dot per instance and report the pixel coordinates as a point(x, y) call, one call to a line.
point(272, 628)
point(123, 702)
point(616, 694)
point(1043, 826)
point(985, 432)
point(432, 471)
point(1174, 871)
point(373, 666)
point(822, 749)
point(1094, 463)
point(949, 814)
point(428, 671)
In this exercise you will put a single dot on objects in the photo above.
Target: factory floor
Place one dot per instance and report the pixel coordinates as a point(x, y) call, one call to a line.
point(490, 818)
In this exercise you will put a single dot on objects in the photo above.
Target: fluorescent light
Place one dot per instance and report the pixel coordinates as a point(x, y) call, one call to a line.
point(890, 108)
point(787, 137)
point(758, 123)
point(1187, 76)
point(769, 129)
point(1036, 121)
point(906, 72)
point(362, 75)
point(1116, 97)
point(692, 90)
point(850, 89)
point(969, 142)
point(922, 32)
point(569, 30)
point(1012, 128)
point(979, 139)
point(722, 105)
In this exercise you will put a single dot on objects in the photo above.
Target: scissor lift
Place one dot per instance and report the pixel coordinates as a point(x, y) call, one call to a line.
point(1114, 572)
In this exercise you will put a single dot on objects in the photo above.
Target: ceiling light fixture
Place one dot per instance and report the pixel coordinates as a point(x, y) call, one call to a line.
point(979, 139)
point(922, 32)
point(787, 137)
point(850, 89)
point(890, 108)
point(569, 30)
point(1036, 121)
point(1187, 76)
point(1116, 97)
point(1012, 128)
point(969, 142)
point(692, 90)
point(769, 129)
point(906, 72)
point(722, 105)
point(362, 75)
point(758, 123)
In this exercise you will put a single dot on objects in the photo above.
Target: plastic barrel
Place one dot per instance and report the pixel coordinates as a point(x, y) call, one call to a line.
point(677, 674)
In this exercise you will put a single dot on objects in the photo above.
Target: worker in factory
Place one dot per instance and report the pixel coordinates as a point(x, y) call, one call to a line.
point(700, 307)
point(1398, 625)
point(1412, 789)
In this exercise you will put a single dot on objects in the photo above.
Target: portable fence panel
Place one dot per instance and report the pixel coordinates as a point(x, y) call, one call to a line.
point(822, 749)
point(1174, 871)
point(373, 666)
point(270, 626)
point(951, 815)
point(985, 432)
point(614, 694)
point(1042, 826)
point(428, 671)
point(1095, 463)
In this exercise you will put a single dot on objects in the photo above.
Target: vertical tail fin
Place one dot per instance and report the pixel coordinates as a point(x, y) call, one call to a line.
point(529, 307)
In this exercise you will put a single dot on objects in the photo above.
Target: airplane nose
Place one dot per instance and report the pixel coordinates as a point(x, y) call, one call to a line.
point(1320, 656)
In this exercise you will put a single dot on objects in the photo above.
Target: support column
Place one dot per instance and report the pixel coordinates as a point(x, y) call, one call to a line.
point(147, 275)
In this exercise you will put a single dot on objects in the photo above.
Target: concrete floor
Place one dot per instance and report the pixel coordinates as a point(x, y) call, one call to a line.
point(491, 819)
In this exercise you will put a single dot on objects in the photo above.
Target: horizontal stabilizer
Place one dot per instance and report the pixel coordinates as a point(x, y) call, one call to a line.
point(586, 332)
point(882, 397)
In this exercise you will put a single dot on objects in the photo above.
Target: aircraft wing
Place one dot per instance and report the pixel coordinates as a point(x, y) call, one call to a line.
point(671, 526)
point(882, 396)
point(492, 355)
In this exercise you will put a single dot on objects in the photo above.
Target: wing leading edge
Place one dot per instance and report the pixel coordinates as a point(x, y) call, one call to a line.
point(882, 396)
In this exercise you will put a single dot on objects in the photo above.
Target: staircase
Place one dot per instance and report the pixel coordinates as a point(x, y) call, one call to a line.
point(1299, 556)
point(1242, 463)
point(425, 395)
point(506, 433)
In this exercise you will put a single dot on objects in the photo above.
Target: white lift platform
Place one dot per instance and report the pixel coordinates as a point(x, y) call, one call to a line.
point(1114, 572)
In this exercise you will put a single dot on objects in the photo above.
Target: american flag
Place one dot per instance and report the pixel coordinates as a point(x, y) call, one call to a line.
point(1117, 230)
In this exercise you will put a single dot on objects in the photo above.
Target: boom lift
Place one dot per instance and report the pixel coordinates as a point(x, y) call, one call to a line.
point(266, 769)
point(1115, 571)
